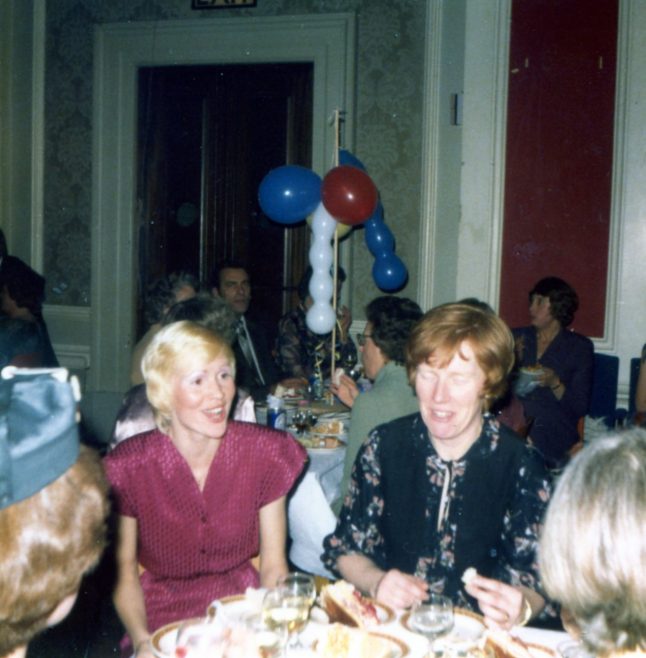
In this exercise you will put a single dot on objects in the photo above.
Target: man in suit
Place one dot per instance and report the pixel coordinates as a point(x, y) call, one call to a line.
point(256, 370)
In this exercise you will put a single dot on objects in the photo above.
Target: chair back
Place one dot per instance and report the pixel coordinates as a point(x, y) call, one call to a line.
point(635, 364)
point(605, 380)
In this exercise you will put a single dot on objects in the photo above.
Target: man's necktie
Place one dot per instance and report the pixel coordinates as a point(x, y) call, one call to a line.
point(247, 349)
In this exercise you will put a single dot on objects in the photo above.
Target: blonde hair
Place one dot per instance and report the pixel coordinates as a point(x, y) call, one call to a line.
point(440, 333)
point(47, 543)
point(173, 344)
point(593, 545)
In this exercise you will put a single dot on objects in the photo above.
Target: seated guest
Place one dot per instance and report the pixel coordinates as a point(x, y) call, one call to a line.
point(566, 360)
point(300, 349)
point(20, 343)
point(3, 246)
point(22, 293)
point(53, 507)
point(198, 497)
point(389, 323)
point(135, 414)
point(161, 295)
point(445, 489)
point(593, 544)
point(256, 370)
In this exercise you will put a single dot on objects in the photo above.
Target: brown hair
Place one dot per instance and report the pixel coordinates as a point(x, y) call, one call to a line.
point(47, 543)
point(437, 337)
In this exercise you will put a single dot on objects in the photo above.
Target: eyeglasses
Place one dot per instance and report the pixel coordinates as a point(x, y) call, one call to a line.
point(361, 339)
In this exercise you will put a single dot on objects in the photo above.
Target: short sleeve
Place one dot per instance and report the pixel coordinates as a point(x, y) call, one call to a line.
point(121, 466)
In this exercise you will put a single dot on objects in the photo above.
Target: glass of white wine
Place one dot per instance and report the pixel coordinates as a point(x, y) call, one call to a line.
point(301, 585)
point(432, 618)
point(285, 611)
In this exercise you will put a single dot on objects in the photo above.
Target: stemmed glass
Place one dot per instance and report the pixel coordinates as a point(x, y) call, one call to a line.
point(433, 617)
point(285, 609)
point(301, 585)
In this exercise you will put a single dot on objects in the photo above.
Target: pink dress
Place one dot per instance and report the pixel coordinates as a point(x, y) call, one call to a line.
point(196, 546)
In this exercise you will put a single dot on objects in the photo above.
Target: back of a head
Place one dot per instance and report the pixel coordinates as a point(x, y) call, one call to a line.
point(53, 505)
point(204, 309)
point(392, 319)
point(593, 544)
point(442, 330)
point(162, 294)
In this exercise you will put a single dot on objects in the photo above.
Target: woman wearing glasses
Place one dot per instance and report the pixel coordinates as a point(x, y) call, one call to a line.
point(390, 321)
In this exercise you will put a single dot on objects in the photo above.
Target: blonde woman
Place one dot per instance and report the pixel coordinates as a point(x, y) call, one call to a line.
point(198, 497)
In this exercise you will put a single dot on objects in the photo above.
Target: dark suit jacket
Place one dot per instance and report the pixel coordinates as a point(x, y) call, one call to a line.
point(246, 376)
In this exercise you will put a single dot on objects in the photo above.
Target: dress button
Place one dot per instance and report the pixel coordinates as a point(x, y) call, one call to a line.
point(203, 518)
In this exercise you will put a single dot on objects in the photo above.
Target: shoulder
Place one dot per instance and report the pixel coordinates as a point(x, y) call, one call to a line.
point(523, 331)
point(400, 427)
point(137, 448)
point(579, 340)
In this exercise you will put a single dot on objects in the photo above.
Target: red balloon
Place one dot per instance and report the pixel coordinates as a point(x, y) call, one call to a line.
point(349, 194)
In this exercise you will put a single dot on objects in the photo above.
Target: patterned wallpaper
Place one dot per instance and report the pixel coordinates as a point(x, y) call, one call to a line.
point(390, 49)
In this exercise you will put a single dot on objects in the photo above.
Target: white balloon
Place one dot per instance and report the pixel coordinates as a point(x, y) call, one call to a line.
point(321, 256)
point(323, 224)
point(321, 318)
point(321, 286)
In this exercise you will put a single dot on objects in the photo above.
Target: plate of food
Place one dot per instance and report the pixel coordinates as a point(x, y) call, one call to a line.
point(503, 644)
point(344, 604)
point(198, 637)
point(340, 641)
point(328, 427)
point(320, 443)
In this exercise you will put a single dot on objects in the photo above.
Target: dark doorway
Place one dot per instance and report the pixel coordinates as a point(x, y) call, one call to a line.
point(207, 136)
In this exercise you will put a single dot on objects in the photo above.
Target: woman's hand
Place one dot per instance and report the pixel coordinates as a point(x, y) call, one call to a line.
point(551, 380)
point(346, 390)
point(503, 606)
point(400, 590)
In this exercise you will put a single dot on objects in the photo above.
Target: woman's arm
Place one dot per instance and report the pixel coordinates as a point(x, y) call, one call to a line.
point(393, 587)
point(128, 595)
point(273, 533)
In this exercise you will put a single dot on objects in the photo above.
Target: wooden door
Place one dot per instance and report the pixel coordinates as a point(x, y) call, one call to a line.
point(207, 136)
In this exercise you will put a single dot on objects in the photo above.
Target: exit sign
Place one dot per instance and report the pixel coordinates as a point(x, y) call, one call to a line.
point(222, 4)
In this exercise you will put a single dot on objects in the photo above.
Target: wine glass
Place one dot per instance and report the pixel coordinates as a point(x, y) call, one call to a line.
point(301, 585)
point(284, 611)
point(432, 618)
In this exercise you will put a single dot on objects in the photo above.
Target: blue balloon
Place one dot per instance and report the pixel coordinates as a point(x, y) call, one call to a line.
point(389, 273)
point(379, 238)
point(346, 158)
point(289, 193)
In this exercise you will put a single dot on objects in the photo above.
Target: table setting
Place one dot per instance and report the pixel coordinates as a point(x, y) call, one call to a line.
point(291, 621)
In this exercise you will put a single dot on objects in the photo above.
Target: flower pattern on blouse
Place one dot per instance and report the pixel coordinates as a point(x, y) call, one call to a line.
point(299, 348)
point(359, 529)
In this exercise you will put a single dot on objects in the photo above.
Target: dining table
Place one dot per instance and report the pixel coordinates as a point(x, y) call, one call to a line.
point(394, 627)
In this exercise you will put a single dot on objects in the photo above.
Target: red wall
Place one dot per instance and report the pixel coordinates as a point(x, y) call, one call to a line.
point(559, 153)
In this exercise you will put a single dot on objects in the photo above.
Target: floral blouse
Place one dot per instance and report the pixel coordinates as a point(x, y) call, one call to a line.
point(449, 492)
point(299, 349)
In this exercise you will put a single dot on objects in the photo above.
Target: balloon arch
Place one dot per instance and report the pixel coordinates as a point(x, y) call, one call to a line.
point(346, 197)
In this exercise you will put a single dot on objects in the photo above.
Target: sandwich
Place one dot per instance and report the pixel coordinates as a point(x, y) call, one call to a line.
point(501, 644)
point(342, 642)
point(346, 605)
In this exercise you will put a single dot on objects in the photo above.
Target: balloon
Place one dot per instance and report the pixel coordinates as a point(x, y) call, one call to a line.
point(289, 193)
point(347, 158)
point(321, 286)
point(341, 229)
point(321, 258)
point(323, 224)
point(379, 238)
point(320, 318)
point(349, 194)
point(389, 272)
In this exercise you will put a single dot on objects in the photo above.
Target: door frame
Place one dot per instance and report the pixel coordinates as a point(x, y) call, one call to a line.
point(327, 40)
